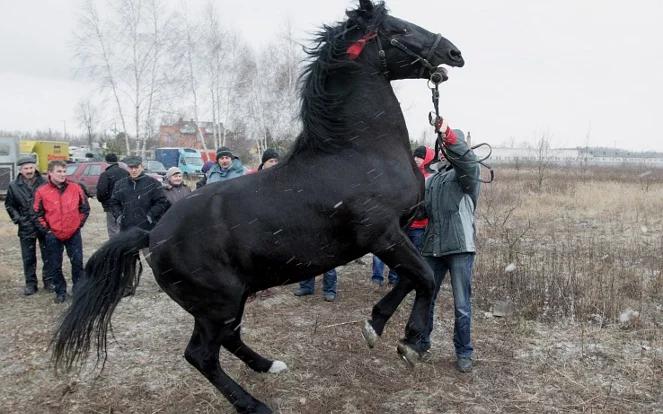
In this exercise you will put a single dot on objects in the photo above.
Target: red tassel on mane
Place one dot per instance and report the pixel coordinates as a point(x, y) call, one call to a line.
point(355, 49)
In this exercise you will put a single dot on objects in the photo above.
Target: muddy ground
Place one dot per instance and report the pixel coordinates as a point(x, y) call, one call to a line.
point(521, 365)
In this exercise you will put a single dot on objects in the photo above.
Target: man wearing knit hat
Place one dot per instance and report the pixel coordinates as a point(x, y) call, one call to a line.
point(269, 158)
point(18, 203)
point(227, 166)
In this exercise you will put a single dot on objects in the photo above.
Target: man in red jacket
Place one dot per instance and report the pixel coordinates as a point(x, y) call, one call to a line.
point(61, 209)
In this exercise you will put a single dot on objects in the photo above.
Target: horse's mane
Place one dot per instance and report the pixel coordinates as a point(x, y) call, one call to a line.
point(323, 126)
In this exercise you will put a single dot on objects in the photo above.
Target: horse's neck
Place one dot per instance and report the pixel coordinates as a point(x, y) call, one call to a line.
point(375, 113)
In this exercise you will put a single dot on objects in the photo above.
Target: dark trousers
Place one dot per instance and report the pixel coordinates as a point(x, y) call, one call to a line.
point(29, 256)
point(54, 249)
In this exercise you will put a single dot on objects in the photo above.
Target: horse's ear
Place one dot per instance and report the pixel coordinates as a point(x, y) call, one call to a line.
point(366, 5)
point(363, 14)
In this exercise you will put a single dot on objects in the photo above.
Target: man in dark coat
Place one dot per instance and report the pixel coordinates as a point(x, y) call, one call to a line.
point(18, 203)
point(107, 181)
point(138, 200)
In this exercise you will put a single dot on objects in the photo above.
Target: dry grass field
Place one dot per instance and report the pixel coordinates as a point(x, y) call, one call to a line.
point(574, 267)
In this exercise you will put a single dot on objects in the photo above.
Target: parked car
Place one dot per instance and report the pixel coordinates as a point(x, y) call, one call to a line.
point(9, 154)
point(87, 174)
point(156, 167)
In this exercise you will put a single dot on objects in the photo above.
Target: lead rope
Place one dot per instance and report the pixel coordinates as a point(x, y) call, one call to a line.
point(436, 121)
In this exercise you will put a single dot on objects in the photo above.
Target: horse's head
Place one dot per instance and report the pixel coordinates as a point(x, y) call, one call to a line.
point(404, 50)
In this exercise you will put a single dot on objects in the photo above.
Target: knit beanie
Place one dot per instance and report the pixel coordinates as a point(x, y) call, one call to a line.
point(420, 152)
point(270, 153)
point(224, 151)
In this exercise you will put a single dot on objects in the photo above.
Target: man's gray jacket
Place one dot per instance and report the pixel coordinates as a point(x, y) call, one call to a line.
point(451, 199)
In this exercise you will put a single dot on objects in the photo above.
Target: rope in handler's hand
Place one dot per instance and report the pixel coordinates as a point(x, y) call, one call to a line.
point(438, 76)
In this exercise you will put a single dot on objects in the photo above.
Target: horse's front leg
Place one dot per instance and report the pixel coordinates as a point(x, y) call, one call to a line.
point(401, 255)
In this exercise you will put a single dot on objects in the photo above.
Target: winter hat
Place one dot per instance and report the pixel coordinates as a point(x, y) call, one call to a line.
point(420, 152)
point(26, 160)
point(270, 153)
point(172, 171)
point(110, 157)
point(224, 151)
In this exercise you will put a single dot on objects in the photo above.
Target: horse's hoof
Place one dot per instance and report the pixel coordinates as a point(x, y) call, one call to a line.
point(369, 334)
point(257, 408)
point(409, 355)
point(278, 366)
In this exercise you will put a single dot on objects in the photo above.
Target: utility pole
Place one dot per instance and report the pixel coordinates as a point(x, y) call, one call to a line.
point(64, 123)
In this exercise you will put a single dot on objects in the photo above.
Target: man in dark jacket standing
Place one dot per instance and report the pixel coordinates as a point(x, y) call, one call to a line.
point(18, 202)
point(138, 200)
point(61, 209)
point(107, 181)
point(451, 199)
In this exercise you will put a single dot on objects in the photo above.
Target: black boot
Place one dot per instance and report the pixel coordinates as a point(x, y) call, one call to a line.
point(49, 286)
point(30, 290)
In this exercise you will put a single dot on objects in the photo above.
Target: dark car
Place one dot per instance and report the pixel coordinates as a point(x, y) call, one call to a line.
point(87, 174)
point(156, 167)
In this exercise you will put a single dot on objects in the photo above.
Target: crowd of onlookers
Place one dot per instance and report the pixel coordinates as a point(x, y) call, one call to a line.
point(50, 212)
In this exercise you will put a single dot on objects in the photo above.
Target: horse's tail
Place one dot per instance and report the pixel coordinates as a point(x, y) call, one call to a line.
point(108, 273)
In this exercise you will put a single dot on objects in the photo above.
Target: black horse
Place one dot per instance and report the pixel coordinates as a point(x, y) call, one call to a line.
point(347, 188)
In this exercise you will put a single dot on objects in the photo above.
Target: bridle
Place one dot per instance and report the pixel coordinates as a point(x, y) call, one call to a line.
point(437, 76)
point(424, 61)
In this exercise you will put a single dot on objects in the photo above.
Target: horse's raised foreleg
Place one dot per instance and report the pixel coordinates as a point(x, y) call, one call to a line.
point(385, 308)
point(203, 353)
point(414, 274)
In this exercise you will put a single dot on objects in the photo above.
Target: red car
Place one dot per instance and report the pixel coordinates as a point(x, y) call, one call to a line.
point(87, 174)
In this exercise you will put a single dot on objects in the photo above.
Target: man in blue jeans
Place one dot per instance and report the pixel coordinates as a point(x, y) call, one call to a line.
point(329, 278)
point(451, 199)
point(61, 209)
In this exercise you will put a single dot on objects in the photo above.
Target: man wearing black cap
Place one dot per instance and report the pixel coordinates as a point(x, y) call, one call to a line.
point(18, 203)
point(269, 159)
point(138, 200)
point(227, 166)
point(107, 180)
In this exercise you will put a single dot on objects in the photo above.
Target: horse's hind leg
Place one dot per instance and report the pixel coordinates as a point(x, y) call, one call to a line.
point(203, 353)
point(233, 343)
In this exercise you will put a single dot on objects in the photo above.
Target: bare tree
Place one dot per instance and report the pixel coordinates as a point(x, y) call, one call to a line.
point(274, 95)
point(87, 118)
point(123, 52)
point(542, 160)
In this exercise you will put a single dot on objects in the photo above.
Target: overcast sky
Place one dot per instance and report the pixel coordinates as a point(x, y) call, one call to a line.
point(577, 72)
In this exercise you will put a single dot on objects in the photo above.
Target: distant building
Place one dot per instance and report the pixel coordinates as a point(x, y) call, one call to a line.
point(183, 134)
point(576, 156)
